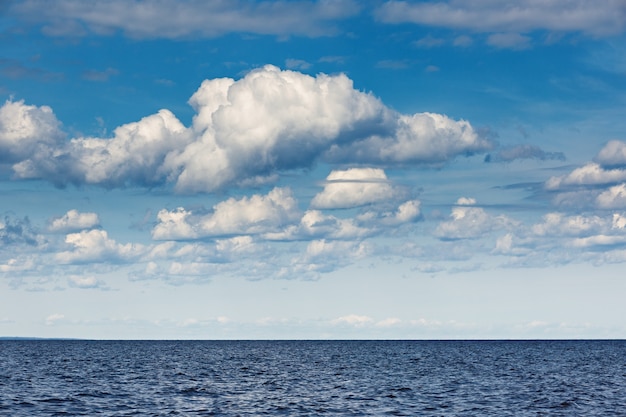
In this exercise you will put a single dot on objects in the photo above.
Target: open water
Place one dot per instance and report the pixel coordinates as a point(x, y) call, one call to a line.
point(310, 378)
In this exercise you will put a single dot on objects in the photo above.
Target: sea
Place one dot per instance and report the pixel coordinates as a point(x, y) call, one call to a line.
point(312, 378)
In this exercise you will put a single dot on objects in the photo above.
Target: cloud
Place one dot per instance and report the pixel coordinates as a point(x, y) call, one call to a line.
point(245, 132)
point(599, 184)
point(613, 154)
point(612, 198)
point(15, 69)
point(509, 40)
point(73, 221)
point(25, 129)
point(52, 319)
point(19, 232)
point(323, 256)
point(353, 188)
point(95, 245)
point(587, 175)
point(407, 212)
point(522, 17)
point(17, 265)
point(297, 64)
point(100, 76)
point(316, 225)
point(560, 238)
point(558, 224)
point(422, 138)
point(134, 156)
point(248, 215)
point(470, 222)
point(180, 19)
point(463, 41)
point(429, 42)
point(523, 152)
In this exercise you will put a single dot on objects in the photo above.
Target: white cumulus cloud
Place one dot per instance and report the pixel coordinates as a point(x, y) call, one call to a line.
point(612, 198)
point(134, 156)
point(26, 129)
point(354, 187)
point(73, 221)
point(96, 246)
point(612, 154)
point(510, 17)
point(247, 131)
point(589, 174)
point(248, 215)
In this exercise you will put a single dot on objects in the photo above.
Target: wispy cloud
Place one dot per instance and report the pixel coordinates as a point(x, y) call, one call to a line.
point(516, 17)
point(180, 19)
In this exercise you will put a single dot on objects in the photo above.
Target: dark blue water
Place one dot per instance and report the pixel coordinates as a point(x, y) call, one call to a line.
point(309, 378)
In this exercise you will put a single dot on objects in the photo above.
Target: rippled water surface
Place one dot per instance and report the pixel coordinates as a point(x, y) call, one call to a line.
point(308, 378)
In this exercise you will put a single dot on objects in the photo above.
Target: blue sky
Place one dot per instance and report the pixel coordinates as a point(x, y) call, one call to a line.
point(312, 169)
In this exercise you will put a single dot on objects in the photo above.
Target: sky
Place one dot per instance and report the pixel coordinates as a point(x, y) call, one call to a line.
point(326, 169)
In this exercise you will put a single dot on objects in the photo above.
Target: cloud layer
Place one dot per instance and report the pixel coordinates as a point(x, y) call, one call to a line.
point(180, 19)
point(511, 17)
point(244, 133)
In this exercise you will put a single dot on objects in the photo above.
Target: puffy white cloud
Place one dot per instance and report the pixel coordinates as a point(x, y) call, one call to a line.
point(270, 120)
point(612, 154)
point(470, 222)
point(589, 174)
point(249, 215)
point(73, 221)
point(96, 246)
point(24, 129)
point(179, 19)
point(315, 224)
point(134, 156)
point(507, 17)
point(354, 187)
point(423, 138)
point(247, 131)
point(612, 198)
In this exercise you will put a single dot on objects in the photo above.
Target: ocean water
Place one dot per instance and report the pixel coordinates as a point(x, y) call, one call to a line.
point(310, 378)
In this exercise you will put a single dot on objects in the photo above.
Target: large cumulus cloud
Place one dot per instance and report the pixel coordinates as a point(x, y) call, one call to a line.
point(26, 129)
point(247, 131)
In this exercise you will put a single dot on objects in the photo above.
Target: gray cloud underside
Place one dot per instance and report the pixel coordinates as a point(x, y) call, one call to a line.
point(244, 133)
